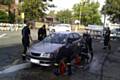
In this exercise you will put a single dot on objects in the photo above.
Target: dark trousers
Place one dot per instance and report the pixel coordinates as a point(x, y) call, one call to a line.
point(26, 44)
point(69, 69)
point(106, 41)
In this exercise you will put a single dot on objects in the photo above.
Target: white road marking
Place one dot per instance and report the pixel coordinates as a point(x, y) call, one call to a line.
point(15, 68)
point(2, 35)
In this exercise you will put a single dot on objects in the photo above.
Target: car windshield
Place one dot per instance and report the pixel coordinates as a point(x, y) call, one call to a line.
point(56, 38)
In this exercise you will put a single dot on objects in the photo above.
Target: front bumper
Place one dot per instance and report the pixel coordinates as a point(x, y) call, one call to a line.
point(39, 61)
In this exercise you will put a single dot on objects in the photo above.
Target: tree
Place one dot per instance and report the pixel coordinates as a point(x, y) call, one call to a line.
point(34, 9)
point(3, 16)
point(64, 16)
point(52, 13)
point(89, 13)
point(112, 9)
point(11, 14)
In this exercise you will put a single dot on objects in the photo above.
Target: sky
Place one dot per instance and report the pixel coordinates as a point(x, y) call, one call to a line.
point(68, 4)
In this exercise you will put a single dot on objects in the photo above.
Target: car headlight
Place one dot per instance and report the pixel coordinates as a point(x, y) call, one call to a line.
point(52, 55)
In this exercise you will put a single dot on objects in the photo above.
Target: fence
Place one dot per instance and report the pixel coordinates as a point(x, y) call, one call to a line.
point(10, 27)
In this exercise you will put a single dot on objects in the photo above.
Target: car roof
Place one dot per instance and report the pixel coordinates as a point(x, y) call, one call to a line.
point(62, 25)
point(65, 32)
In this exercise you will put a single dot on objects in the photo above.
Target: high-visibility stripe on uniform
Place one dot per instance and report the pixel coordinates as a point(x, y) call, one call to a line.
point(56, 64)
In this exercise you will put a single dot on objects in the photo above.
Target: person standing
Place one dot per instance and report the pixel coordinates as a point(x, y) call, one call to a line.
point(26, 37)
point(89, 44)
point(107, 38)
point(42, 33)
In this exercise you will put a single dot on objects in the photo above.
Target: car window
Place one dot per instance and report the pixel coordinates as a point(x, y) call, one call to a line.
point(56, 38)
point(76, 36)
point(71, 36)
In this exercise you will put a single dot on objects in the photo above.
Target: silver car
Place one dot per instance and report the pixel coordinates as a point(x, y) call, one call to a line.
point(44, 53)
point(115, 33)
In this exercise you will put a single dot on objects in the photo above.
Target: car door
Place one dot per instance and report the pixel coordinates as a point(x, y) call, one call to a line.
point(76, 36)
point(71, 38)
point(76, 42)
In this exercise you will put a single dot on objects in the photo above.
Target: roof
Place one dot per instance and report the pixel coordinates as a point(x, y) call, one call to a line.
point(95, 27)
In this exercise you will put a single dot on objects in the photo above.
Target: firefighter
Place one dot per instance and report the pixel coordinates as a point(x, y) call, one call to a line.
point(85, 48)
point(64, 58)
point(89, 44)
point(42, 33)
point(26, 37)
point(107, 38)
point(68, 56)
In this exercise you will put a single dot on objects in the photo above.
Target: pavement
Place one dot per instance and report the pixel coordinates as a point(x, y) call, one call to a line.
point(105, 65)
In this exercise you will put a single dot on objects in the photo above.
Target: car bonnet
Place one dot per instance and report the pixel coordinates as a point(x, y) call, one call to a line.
point(45, 47)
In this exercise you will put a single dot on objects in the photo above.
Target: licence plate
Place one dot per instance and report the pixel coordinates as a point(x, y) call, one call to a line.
point(34, 61)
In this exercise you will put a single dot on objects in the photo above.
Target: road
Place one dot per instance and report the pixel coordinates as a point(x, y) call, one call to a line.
point(105, 65)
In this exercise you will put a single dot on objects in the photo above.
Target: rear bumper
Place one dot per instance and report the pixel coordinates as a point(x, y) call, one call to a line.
point(40, 61)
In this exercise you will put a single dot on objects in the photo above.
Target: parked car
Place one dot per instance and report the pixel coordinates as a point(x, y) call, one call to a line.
point(115, 33)
point(45, 52)
point(60, 27)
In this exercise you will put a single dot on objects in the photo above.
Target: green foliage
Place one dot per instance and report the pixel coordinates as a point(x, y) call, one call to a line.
point(11, 15)
point(89, 13)
point(51, 13)
point(6, 2)
point(34, 9)
point(3, 16)
point(64, 16)
point(112, 8)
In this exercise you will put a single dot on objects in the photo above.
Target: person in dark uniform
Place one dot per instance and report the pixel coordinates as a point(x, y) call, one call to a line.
point(42, 33)
point(88, 40)
point(89, 44)
point(107, 38)
point(65, 53)
point(26, 37)
point(85, 48)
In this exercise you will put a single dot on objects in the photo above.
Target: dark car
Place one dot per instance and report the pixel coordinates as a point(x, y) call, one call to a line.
point(44, 53)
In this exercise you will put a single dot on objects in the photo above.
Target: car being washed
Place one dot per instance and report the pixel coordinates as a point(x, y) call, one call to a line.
point(44, 53)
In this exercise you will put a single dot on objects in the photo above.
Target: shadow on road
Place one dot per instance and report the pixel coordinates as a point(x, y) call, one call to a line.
point(8, 54)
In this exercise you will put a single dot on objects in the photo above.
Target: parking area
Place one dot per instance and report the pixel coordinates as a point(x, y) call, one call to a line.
point(105, 65)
